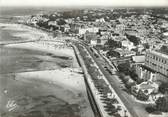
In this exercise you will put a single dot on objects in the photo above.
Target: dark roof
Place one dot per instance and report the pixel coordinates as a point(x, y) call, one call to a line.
point(147, 68)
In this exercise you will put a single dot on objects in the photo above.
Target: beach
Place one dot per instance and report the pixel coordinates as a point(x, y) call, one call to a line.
point(40, 79)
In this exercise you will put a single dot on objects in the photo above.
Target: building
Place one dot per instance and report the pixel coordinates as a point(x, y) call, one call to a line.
point(157, 61)
point(93, 42)
point(74, 27)
point(33, 20)
point(146, 87)
point(90, 37)
point(102, 40)
point(127, 44)
point(155, 67)
point(138, 59)
point(145, 73)
point(103, 30)
point(84, 30)
point(52, 23)
point(100, 20)
point(65, 28)
point(124, 52)
point(145, 91)
point(98, 41)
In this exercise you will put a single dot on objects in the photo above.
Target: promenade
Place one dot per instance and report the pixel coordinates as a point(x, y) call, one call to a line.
point(105, 100)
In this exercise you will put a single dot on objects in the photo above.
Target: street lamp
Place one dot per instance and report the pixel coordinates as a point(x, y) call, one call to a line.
point(166, 90)
point(125, 113)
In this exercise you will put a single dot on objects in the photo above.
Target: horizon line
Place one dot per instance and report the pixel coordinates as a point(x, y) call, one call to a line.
point(112, 6)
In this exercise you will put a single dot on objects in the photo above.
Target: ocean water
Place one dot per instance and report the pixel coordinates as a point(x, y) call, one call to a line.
point(20, 11)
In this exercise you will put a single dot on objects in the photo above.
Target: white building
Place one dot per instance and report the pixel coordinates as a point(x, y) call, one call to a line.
point(93, 42)
point(52, 23)
point(146, 87)
point(33, 20)
point(157, 61)
point(127, 44)
point(100, 20)
point(84, 30)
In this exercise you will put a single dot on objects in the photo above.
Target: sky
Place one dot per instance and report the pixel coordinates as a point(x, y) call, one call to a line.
point(84, 2)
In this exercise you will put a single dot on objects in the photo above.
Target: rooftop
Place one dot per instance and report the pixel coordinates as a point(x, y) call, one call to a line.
point(139, 59)
point(160, 53)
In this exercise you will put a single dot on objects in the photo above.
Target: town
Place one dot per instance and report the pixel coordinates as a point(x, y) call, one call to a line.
point(125, 51)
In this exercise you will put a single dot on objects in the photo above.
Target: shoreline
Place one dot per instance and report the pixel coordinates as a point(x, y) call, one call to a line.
point(65, 83)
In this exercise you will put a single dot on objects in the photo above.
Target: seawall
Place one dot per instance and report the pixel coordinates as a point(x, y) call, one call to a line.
point(87, 76)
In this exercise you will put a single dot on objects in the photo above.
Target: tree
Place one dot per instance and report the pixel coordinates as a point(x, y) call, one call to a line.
point(61, 22)
point(52, 17)
point(129, 84)
point(164, 49)
point(150, 109)
point(163, 88)
point(134, 76)
point(134, 39)
point(113, 54)
point(45, 16)
point(43, 24)
point(146, 45)
point(162, 104)
point(113, 44)
point(124, 67)
point(141, 96)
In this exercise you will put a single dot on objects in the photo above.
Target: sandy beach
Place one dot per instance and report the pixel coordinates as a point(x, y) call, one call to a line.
point(40, 79)
point(22, 32)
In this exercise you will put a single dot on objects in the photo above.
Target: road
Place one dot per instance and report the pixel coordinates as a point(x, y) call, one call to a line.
point(136, 109)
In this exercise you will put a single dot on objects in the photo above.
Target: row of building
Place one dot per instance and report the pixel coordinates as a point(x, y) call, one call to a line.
point(155, 66)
